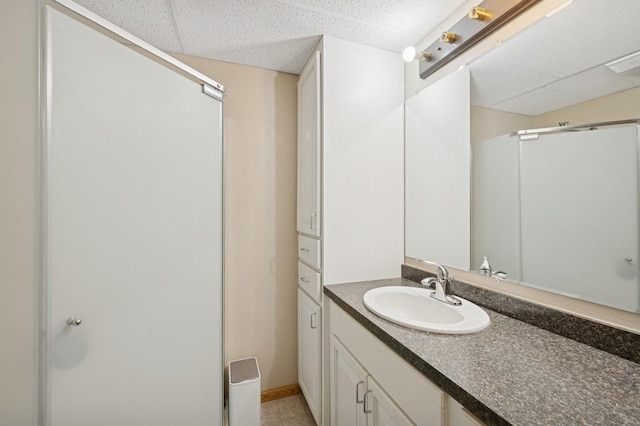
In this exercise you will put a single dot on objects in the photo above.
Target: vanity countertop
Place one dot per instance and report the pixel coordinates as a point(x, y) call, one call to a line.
point(512, 372)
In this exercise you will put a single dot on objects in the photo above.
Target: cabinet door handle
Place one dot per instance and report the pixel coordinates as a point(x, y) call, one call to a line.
point(365, 407)
point(314, 225)
point(313, 325)
point(304, 249)
point(304, 279)
point(358, 401)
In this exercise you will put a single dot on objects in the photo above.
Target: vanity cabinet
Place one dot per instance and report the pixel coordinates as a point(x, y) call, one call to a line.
point(348, 387)
point(356, 398)
point(397, 389)
point(459, 416)
point(372, 385)
point(350, 216)
point(381, 409)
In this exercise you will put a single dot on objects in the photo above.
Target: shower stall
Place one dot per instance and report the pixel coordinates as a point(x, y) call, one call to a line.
point(557, 209)
point(132, 239)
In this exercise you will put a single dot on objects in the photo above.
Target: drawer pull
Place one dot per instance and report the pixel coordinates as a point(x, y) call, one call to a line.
point(304, 249)
point(304, 279)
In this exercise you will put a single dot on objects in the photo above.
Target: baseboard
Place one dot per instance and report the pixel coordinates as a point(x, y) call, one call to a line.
point(282, 392)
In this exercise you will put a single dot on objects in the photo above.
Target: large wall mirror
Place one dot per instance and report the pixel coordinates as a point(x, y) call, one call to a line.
point(559, 210)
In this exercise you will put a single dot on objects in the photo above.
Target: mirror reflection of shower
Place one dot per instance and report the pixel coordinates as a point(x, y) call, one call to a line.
point(545, 202)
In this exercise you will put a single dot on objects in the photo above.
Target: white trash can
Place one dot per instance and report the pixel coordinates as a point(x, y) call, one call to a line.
point(244, 392)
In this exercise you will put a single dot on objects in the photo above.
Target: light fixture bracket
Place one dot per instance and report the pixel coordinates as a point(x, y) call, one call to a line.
point(481, 21)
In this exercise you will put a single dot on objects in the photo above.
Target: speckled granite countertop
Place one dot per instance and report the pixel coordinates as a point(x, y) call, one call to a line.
point(512, 372)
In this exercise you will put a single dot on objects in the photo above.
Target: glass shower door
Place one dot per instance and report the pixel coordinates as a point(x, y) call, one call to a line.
point(133, 237)
point(579, 195)
point(496, 205)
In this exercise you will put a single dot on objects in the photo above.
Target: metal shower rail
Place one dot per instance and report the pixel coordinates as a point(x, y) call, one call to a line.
point(590, 126)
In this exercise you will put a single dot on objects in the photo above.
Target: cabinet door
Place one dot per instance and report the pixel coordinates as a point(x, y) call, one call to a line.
point(380, 409)
point(459, 416)
point(348, 386)
point(309, 352)
point(309, 148)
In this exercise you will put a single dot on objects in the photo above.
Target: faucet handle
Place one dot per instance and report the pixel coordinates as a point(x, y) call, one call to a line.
point(499, 275)
point(441, 271)
point(429, 282)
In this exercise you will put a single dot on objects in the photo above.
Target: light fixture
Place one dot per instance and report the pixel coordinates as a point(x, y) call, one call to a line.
point(626, 65)
point(411, 53)
point(480, 21)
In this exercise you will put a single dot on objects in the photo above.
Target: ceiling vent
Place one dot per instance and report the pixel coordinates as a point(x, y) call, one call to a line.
point(627, 65)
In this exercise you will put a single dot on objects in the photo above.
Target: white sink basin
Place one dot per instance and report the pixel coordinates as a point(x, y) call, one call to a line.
point(415, 308)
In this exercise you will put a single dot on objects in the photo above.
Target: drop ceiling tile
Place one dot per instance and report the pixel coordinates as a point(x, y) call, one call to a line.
point(247, 31)
point(596, 82)
point(414, 16)
point(149, 20)
point(583, 35)
point(270, 29)
point(539, 101)
point(494, 81)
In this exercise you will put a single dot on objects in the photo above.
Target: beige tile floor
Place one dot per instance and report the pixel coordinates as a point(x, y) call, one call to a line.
point(290, 411)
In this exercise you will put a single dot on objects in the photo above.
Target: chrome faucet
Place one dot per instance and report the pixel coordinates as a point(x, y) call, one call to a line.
point(442, 284)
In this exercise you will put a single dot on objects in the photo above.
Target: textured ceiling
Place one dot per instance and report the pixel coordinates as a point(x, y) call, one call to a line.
point(557, 62)
point(272, 34)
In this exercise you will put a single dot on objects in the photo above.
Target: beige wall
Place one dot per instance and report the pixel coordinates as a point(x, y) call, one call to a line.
point(618, 106)
point(260, 216)
point(487, 123)
point(18, 212)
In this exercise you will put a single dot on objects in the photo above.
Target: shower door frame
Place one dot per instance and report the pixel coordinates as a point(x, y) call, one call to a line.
point(210, 87)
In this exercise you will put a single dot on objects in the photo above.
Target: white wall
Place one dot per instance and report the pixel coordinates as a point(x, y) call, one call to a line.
point(18, 212)
point(437, 165)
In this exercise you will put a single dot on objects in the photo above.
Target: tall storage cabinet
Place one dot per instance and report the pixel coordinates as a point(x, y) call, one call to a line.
point(309, 245)
point(350, 188)
point(309, 122)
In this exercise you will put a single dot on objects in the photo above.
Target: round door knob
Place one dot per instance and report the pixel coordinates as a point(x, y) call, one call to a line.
point(74, 321)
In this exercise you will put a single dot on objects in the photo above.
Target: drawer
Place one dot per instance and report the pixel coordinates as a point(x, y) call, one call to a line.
point(310, 281)
point(309, 251)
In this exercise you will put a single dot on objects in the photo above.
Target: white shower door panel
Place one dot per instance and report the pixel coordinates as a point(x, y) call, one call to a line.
point(133, 237)
point(580, 215)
